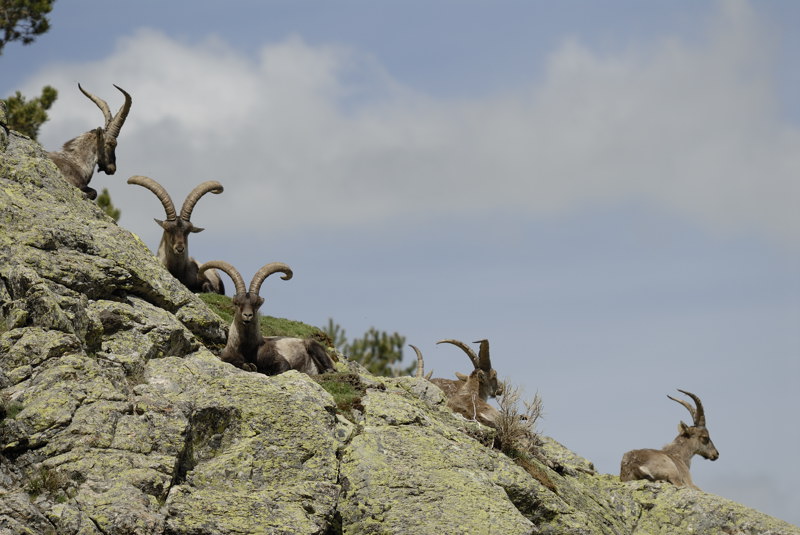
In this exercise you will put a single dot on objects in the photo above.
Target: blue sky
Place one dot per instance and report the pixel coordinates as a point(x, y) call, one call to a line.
point(607, 191)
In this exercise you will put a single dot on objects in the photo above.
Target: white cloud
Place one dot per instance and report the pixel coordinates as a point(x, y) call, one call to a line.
point(308, 135)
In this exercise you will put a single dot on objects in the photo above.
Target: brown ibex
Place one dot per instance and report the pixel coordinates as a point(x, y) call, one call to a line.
point(671, 463)
point(78, 157)
point(173, 251)
point(247, 348)
point(467, 395)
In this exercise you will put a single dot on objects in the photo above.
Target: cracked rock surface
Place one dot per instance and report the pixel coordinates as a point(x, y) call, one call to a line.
point(116, 418)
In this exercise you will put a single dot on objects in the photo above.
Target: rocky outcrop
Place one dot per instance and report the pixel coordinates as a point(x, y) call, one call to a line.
point(117, 418)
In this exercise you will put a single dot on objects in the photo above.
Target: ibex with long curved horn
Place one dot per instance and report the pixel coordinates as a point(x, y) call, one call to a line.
point(247, 348)
point(79, 156)
point(173, 251)
point(468, 394)
point(671, 463)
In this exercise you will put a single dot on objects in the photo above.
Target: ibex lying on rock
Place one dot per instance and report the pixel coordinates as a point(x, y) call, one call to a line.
point(78, 157)
point(671, 463)
point(173, 251)
point(247, 348)
point(467, 395)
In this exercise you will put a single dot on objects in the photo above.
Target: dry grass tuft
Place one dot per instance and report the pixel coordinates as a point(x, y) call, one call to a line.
point(516, 426)
point(516, 432)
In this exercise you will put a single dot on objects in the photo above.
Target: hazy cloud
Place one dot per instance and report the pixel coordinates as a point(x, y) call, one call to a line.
point(304, 135)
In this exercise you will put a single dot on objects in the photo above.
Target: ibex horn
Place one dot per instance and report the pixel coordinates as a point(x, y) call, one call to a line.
point(420, 363)
point(232, 272)
point(188, 205)
point(113, 128)
point(483, 355)
point(266, 271)
point(100, 104)
point(468, 350)
point(698, 416)
point(159, 191)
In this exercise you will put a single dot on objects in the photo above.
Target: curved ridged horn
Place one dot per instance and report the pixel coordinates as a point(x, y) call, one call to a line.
point(483, 355)
point(468, 350)
point(159, 192)
point(232, 272)
point(100, 104)
point(420, 363)
point(699, 415)
point(266, 271)
point(188, 205)
point(113, 127)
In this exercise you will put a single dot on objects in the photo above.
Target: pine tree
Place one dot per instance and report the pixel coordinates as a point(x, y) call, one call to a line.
point(27, 116)
point(23, 20)
point(378, 351)
point(104, 202)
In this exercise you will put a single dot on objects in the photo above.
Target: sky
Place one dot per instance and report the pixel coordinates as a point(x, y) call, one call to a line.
point(606, 191)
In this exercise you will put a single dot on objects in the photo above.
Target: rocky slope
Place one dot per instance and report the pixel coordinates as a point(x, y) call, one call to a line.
point(118, 419)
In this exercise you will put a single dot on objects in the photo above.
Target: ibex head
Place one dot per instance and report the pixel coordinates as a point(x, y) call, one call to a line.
point(697, 435)
point(247, 302)
point(490, 386)
point(107, 135)
point(177, 228)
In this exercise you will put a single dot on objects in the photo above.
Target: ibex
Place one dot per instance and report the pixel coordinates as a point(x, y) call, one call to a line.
point(247, 348)
point(671, 463)
point(467, 395)
point(77, 158)
point(173, 251)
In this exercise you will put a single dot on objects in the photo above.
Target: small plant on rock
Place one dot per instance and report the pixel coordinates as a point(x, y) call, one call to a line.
point(346, 389)
point(516, 426)
point(516, 433)
point(45, 480)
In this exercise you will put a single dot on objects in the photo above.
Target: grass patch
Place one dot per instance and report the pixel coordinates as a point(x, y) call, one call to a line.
point(10, 409)
point(346, 389)
point(45, 480)
point(222, 305)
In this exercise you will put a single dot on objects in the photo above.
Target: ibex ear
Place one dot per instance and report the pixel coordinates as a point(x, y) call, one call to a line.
point(461, 376)
point(160, 222)
point(196, 229)
point(683, 429)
